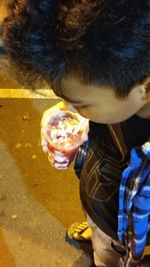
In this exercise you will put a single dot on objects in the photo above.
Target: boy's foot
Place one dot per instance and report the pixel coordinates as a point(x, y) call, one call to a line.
point(80, 232)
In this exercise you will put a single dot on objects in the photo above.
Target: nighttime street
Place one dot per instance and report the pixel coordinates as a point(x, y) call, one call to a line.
point(37, 202)
point(95, 55)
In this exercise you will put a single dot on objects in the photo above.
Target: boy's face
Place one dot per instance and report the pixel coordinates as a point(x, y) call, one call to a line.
point(101, 104)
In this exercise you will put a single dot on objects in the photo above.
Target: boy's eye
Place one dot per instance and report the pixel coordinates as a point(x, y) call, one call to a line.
point(80, 107)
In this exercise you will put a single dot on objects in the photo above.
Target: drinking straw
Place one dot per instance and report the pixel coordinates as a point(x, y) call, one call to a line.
point(79, 126)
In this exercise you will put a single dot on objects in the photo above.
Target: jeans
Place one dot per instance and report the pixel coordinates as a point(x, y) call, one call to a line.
point(106, 251)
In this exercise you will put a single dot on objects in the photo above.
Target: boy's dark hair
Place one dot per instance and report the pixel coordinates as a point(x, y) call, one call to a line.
point(102, 42)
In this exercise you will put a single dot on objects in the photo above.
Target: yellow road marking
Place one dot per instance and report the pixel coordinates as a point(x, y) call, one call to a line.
point(27, 93)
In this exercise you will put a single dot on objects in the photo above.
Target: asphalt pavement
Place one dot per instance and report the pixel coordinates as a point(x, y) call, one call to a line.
point(37, 202)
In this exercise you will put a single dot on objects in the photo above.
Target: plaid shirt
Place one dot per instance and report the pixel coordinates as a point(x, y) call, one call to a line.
point(134, 202)
point(134, 205)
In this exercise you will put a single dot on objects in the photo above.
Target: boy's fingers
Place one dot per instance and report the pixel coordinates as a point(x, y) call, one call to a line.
point(44, 145)
point(43, 136)
point(44, 142)
point(45, 149)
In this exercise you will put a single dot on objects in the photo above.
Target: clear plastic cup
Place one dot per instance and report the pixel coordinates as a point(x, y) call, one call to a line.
point(62, 142)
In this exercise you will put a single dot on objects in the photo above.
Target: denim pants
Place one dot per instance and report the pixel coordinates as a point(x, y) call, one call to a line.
point(106, 251)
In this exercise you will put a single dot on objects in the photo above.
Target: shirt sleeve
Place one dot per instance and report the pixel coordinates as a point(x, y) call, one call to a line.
point(80, 156)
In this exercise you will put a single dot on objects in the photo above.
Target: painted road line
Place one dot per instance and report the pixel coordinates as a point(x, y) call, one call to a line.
point(27, 93)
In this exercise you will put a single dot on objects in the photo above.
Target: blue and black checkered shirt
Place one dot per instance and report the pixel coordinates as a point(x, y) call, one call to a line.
point(134, 204)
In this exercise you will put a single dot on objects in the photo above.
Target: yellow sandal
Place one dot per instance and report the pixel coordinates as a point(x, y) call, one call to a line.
point(80, 232)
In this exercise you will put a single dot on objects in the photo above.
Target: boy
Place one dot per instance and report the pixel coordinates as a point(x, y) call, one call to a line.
point(96, 56)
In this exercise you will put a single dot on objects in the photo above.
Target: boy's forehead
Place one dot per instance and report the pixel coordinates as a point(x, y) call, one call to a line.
point(73, 90)
point(79, 93)
point(76, 91)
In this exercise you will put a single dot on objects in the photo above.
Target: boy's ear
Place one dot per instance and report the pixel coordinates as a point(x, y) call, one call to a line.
point(146, 88)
